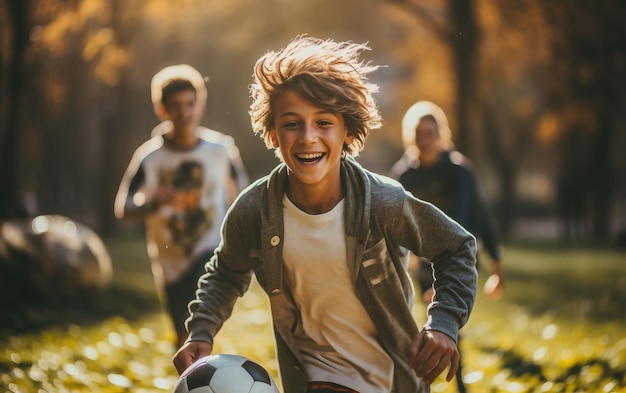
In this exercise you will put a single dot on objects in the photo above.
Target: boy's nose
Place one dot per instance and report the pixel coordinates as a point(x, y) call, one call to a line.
point(309, 133)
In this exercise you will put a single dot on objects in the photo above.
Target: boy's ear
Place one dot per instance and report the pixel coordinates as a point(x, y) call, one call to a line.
point(274, 139)
point(349, 138)
point(161, 113)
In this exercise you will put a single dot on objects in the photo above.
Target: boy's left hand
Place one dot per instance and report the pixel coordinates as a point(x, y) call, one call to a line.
point(431, 353)
point(494, 286)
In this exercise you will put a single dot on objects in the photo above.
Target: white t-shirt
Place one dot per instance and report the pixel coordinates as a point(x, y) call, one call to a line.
point(190, 226)
point(336, 336)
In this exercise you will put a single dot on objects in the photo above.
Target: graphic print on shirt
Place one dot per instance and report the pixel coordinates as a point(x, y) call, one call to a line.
point(188, 219)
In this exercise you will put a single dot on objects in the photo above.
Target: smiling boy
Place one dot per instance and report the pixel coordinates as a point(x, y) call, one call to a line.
point(328, 240)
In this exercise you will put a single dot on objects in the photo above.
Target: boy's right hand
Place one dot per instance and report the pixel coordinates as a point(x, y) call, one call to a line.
point(189, 353)
point(431, 352)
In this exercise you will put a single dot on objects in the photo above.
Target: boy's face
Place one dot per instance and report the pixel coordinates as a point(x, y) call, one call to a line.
point(181, 110)
point(427, 136)
point(310, 140)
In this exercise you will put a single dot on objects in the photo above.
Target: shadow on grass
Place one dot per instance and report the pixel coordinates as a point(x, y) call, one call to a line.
point(567, 295)
point(574, 376)
point(83, 307)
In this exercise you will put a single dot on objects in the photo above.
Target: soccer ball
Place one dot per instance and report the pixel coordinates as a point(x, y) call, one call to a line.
point(225, 373)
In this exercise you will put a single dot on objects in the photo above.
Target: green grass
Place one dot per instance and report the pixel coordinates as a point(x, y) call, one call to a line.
point(560, 327)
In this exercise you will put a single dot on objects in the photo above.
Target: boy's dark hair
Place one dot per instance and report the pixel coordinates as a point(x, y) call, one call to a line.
point(174, 86)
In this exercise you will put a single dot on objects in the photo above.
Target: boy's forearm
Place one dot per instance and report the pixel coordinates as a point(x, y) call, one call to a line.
point(218, 291)
point(131, 211)
point(444, 322)
point(455, 289)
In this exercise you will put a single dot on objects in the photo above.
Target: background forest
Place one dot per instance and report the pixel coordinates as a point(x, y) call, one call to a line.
point(534, 91)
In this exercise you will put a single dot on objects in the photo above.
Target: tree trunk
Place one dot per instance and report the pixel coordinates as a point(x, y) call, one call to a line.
point(11, 205)
point(600, 182)
point(505, 170)
point(464, 41)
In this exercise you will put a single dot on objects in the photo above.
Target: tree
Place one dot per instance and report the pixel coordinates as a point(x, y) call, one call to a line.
point(16, 26)
point(73, 62)
point(514, 66)
point(591, 56)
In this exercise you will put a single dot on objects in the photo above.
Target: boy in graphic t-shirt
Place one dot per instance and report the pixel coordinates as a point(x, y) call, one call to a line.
point(181, 183)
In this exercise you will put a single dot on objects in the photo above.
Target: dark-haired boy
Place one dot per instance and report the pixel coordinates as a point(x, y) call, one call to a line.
point(180, 182)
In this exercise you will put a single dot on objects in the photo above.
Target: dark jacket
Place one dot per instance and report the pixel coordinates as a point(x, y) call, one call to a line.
point(451, 185)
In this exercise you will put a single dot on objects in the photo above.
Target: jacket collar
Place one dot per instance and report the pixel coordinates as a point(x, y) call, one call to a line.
point(358, 199)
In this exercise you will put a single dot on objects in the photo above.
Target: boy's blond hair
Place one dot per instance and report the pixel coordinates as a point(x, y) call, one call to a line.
point(328, 74)
point(412, 119)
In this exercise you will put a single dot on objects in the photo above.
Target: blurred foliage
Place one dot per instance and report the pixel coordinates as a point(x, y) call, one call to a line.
point(541, 116)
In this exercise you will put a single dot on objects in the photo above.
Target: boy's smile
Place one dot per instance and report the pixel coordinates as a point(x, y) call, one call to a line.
point(310, 140)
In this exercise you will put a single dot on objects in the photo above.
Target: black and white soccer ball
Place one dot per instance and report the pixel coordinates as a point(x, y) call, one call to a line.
point(225, 373)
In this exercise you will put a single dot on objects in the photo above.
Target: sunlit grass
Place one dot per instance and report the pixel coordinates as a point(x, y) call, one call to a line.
point(558, 328)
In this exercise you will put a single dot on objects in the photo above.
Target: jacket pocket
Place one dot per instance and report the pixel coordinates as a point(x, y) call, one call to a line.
point(377, 265)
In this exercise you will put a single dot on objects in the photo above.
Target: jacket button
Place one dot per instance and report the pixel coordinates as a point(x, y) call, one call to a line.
point(275, 240)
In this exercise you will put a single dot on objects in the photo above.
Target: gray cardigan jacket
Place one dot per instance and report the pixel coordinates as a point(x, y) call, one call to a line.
point(382, 223)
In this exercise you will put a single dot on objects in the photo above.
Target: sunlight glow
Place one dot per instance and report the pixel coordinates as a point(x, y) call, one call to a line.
point(69, 228)
point(40, 224)
point(473, 377)
point(15, 357)
point(139, 369)
point(549, 332)
point(13, 235)
point(139, 198)
point(132, 340)
point(147, 335)
point(115, 339)
point(91, 353)
point(539, 353)
point(164, 383)
point(120, 380)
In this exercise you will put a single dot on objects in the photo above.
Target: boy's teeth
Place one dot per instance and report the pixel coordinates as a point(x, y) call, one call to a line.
point(310, 156)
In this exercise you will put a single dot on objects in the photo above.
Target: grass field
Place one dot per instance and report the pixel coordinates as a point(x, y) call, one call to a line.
point(560, 327)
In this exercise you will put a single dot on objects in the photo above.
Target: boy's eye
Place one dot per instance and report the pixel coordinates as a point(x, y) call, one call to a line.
point(291, 124)
point(294, 124)
point(325, 123)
